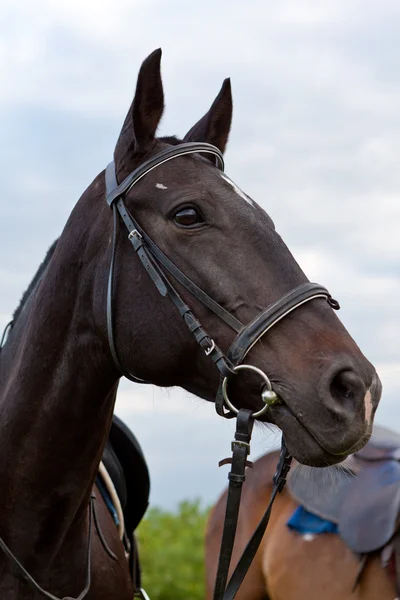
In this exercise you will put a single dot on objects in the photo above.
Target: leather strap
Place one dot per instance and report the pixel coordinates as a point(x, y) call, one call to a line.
point(162, 157)
point(33, 583)
point(236, 476)
point(221, 590)
point(110, 316)
point(269, 317)
point(187, 283)
point(165, 288)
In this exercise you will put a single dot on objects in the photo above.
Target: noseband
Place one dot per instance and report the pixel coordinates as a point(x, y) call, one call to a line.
point(156, 263)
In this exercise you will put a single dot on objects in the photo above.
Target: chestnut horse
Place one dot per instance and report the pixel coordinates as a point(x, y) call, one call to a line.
point(65, 354)
point(288, 565)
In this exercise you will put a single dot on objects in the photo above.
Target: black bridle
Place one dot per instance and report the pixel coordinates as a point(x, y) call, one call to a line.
point(156, 264)
point(155, 261)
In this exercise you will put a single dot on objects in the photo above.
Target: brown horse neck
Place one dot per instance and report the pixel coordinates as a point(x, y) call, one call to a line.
point(56, 402)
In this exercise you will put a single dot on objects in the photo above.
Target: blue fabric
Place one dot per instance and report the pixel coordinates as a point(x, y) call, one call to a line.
point(306, 522)
point(106, 497)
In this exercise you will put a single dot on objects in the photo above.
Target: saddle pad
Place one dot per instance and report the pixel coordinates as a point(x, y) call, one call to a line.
point(384, 444)
point(321, 491)
point(363, 499)
point(369, 517)
point(305, 522)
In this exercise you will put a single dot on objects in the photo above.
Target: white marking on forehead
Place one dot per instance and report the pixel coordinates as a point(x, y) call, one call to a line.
point(368, 406)
point(161, 186)
point(308, 537)
point(237, 189)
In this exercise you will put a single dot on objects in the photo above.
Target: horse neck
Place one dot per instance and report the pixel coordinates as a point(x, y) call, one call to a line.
point(56, 402)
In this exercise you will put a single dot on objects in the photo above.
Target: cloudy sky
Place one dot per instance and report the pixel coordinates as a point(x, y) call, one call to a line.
point(315, 139)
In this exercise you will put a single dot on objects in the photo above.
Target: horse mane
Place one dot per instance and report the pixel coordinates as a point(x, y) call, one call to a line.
point(34, 281)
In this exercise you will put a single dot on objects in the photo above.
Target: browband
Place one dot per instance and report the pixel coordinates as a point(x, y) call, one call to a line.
point(114, 191)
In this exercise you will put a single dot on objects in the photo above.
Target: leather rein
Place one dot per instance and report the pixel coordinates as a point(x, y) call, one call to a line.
point(229, 364)
point(34, 585)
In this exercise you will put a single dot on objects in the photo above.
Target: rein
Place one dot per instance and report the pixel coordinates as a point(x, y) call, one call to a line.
point(229, 364)
point(237, 476)
point(33, 583)
point(93, 520)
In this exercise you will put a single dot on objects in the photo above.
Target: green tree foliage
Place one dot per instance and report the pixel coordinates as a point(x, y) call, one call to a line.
point(171, 546)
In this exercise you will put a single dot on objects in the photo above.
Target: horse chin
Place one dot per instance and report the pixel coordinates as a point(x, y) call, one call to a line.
point(300, 442)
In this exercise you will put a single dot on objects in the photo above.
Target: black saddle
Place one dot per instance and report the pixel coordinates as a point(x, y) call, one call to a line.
point(362, 497)
point(126, 465)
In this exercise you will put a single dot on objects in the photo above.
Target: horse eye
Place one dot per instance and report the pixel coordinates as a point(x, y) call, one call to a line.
point(187, 217)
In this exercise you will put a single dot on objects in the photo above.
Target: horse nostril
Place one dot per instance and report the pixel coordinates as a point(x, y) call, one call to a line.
point(347, 385)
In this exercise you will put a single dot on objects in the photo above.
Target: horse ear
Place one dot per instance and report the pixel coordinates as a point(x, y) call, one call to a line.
point(144, 115)
point(214, 127)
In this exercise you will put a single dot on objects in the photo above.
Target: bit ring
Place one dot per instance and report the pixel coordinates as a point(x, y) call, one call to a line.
point(268, 385)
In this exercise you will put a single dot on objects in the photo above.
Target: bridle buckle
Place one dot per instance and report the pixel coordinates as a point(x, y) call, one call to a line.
point(134, 233)
point(207, 351)
point(241, 444)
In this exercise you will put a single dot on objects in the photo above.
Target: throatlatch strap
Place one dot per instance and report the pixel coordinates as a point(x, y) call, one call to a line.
point(110, 315)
